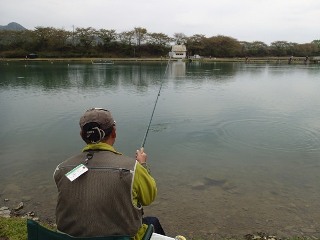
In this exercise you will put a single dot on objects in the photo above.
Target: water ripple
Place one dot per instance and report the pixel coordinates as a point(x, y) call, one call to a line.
point(269, 134)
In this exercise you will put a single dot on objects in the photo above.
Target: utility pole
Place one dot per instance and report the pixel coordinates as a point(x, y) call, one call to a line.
point(72, 35)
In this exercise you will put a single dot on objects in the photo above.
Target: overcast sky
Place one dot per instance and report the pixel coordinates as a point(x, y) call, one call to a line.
point(245, 20)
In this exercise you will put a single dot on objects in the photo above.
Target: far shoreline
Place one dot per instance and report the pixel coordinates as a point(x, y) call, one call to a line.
point(286, 60)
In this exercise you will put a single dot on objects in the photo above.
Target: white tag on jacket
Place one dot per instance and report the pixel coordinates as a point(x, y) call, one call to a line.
point(76, 172)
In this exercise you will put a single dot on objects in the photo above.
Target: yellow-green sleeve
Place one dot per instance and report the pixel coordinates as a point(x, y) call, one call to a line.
point(144, 189)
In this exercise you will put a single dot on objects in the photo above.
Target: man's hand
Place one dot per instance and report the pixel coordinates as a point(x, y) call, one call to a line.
point(141, 156)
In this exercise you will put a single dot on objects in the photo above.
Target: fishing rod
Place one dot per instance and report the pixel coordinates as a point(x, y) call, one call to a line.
point(154, 107)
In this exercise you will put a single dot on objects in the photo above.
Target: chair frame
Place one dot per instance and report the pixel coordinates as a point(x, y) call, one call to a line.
point(38, 232)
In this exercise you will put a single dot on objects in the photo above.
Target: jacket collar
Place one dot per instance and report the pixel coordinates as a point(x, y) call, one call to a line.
point(100, 147)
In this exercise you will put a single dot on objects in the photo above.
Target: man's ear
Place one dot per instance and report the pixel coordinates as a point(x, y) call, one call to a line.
point(114, 132)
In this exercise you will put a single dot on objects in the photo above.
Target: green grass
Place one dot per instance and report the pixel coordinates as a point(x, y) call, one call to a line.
point(13, 229)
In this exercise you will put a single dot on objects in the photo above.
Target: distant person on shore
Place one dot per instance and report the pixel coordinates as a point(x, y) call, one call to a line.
point(100, 191)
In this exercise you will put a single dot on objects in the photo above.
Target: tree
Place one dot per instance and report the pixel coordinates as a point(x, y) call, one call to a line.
point(140, 35)
point(9, 39)
point(107, 36)
point(317, 44)
point(180, 38)
point(43, 36)
point(159, 43)
point(16, 43)
point(223, 46)
point(49, 41)
point(126, 39)
point(257, 49)
point(280, 48)
point(196, 44)
point(158, 39)
point(245, 46)
point(58, 40)
point(306, 49)
point(86, 37)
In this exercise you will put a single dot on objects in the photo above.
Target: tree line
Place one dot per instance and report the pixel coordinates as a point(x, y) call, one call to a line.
point(90, 42)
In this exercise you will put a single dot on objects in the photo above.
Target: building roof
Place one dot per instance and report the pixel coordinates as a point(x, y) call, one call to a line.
point(179, 48)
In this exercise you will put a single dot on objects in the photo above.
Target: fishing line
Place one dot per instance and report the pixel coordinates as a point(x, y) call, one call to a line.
point(154, 107)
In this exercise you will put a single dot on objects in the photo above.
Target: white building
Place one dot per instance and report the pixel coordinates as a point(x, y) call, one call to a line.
point(178, 51)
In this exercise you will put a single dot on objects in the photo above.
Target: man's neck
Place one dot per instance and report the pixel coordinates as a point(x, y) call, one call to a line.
point(109, 141)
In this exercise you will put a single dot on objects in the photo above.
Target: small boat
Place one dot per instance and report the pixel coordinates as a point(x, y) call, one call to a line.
point(102, 61)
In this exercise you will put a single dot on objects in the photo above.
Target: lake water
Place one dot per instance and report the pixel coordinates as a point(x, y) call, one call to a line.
point(234, 147)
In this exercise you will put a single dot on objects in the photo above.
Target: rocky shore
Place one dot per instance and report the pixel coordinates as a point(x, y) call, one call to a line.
point(17, 211)
point(11, 209)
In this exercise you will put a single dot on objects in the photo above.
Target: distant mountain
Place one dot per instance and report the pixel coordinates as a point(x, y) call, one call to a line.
point(12, 26)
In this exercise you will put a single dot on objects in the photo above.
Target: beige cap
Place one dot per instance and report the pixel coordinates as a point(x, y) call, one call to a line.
point(97, 115)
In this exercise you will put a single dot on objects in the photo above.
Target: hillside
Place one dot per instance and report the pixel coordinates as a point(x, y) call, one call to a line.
point(12, 26)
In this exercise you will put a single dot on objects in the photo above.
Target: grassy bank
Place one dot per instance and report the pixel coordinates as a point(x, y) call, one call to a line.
point(15, 228)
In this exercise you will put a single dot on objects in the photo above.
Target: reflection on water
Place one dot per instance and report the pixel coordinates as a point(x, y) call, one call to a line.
point(177, 69)
point(234, 148)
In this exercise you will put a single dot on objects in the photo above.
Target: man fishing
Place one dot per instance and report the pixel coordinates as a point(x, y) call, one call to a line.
point(100, 191)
